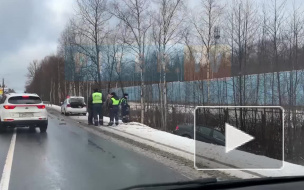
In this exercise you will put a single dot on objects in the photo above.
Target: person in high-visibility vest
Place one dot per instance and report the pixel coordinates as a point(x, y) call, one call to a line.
point(97, 107)
point(114, 107)
point(125, 108)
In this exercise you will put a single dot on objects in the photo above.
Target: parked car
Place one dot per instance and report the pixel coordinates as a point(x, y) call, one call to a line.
point(74, 105)
point(23, 110)
point(203, 134)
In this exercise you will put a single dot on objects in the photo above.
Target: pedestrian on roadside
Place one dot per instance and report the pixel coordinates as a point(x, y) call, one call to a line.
point(125, 108)
point(114, 107)
point(97, 107)
point(90, 111)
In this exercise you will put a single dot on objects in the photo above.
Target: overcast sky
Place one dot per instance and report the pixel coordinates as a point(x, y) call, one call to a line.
point(29, 30)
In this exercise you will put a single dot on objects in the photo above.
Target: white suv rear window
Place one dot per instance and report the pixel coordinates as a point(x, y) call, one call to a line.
point(24, 100)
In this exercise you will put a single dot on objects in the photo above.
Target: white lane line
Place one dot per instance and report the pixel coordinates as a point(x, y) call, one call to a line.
point(6, 174)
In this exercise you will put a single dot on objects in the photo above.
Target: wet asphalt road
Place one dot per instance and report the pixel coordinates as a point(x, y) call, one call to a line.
point(68, 157)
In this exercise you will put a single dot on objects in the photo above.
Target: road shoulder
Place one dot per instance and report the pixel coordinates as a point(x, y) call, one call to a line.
point(172, 160)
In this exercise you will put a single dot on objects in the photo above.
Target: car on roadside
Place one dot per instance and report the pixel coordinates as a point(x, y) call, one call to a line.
point(74, 105)
point(203, 133)
point(23, 110)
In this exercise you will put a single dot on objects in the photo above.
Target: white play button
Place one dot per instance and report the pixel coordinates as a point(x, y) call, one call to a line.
point(235, 138)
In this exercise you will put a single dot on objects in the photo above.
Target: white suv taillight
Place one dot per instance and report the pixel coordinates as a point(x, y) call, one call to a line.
point(41, 106)
point(9, 107)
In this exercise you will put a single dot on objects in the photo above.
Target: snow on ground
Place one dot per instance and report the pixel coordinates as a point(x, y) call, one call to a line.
point(55, 107)
point(209, 155)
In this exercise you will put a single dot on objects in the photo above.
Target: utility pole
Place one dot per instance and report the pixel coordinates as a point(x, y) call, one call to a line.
point(209, 68)
point(2, 86)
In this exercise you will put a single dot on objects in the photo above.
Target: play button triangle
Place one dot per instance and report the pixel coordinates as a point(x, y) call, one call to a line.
point(235, 137)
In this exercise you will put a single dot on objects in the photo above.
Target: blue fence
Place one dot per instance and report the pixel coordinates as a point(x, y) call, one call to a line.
point(261, 89)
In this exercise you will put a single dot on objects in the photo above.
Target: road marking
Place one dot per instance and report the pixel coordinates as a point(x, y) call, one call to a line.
point(6, 174)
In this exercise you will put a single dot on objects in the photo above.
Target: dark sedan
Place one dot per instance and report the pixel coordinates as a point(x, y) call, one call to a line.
point(203, 133)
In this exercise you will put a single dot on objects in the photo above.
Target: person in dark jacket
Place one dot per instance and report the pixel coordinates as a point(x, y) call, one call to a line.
point(125, 108)
point(90, 111)
point(114, 107)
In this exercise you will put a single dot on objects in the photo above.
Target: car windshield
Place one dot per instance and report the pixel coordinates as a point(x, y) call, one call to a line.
point(24, 100)
point(105, 94)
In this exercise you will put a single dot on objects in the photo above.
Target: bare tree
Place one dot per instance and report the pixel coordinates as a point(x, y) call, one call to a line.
point(262, 53)
point(114, 52)
point(243, 29)
point(66, 51)
point(167, 21)
point(32, 69)
point(294, 40)
point(136, 18)
point(206, 23)
point(90, 30)
point(45, 80)
point(275, 28)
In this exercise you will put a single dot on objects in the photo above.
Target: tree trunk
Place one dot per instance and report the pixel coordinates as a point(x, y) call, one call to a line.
point(264, 88)
point(272, 88)
point(257, 89)
point(161, 97)
point(142, 102)
point(165, 102)
point(279, 88)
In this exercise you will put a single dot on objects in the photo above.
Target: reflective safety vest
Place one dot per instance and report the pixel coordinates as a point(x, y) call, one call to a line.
point(115, 102)
point(123, 100)
point(97, 97)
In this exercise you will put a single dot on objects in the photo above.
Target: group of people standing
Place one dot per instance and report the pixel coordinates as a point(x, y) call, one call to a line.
point(95, 106)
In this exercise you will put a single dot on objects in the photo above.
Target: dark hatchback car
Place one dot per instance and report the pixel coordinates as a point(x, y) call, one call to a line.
point(203, 134)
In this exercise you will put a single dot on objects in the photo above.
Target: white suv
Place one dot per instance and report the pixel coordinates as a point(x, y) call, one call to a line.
point(23, 110)
point(74, 105)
